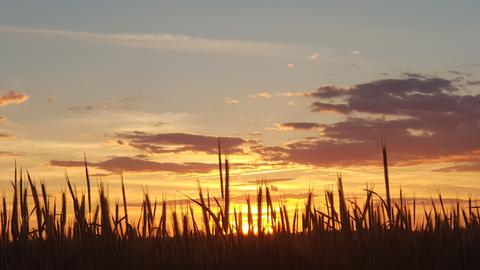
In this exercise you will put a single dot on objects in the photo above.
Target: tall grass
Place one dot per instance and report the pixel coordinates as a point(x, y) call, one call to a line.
point(336, 233)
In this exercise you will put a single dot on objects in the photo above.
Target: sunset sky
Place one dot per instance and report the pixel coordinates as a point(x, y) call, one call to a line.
point(298, 91)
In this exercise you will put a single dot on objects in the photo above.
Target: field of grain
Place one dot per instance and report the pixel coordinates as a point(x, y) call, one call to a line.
point(337, 233)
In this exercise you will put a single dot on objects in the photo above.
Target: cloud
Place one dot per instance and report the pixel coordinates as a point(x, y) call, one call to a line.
point(465, 163)
point(11, 154)
point(6, 136)
point(100, 174)
point(139, 165)
point(423, 119)
point(231, 101)
point(52, 99)
point(314, 56)
point(68, 163)
point(269, 181)
point(181, 142)
point(460, 73)
point(129, 164)
point(291, 66)
point(473, 82)
point(256, 133)
point(12, 97)
point(81, 108)
point(261, 95)
point(292, 94)
point(125, 105)
point(300, 125)
point(328, 107)
point(355, 52)
point(329, 91)
point(465, 167)
point(395, 96)
point(174, 42)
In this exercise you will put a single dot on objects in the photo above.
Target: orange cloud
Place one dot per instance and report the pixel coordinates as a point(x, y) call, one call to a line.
point(12, 97)
point(6, 136)
point(231, 101)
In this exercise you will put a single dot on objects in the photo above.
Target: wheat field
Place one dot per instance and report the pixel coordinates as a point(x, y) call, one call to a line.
point(373, 233)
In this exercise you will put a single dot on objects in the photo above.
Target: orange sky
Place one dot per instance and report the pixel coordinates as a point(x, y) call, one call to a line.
point(296, 96)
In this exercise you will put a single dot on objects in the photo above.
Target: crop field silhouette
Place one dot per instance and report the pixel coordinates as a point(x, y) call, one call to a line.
point(374, 233)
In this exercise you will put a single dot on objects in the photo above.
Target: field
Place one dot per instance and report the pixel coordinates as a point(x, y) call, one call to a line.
point(337, 233)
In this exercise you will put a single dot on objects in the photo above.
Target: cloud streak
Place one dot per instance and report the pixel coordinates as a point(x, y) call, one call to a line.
point(299, 126)
point(180, 142)
point(174, 42)
point(139, 165)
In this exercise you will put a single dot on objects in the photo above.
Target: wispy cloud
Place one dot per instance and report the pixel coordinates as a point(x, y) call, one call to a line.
point(293, 94)
point(10, 154)
point(261, 95)
point(231, 101)
point(299, 126)
point(174, 42)
point(139, 165)
point(314, 56)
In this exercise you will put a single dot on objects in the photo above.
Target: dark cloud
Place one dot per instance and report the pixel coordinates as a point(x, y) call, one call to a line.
point(421, 118)
point(180, 142)
point(12, 97)
point(129, 164)
point(68, 163)
point(300, 125)
point(105, 106)
point(134, 164)
point(81, 108)
point(328, 107)
point(414, 75)
point(329, 91)
point(391, 96)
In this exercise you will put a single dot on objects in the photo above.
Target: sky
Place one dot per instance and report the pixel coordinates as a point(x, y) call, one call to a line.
point(298, 91)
